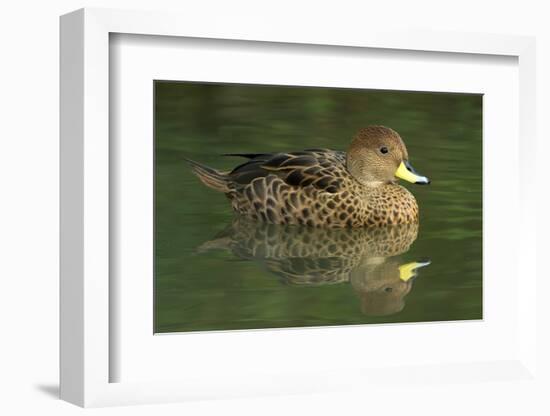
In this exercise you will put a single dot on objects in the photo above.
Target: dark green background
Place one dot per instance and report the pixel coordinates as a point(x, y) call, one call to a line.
point(216, 290)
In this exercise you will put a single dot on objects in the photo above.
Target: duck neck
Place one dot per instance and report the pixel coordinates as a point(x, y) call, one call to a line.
point(359, 171)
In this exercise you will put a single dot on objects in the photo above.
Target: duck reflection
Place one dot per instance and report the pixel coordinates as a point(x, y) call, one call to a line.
point(367, 258)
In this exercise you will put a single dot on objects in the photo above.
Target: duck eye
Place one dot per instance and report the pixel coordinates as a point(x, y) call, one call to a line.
point(384, 150)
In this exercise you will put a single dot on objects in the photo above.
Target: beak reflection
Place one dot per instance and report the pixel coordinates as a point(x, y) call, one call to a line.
point(408, 270)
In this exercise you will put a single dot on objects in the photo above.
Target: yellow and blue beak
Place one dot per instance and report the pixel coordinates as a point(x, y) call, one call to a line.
point(406, 172)
point(408, 271)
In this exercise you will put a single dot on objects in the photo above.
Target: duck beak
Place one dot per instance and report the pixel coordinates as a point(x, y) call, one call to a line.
point(406, 171)
point(408, 270)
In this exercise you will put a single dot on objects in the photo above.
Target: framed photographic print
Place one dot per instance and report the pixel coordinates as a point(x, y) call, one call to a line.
point(243, 214)
point(297, 234)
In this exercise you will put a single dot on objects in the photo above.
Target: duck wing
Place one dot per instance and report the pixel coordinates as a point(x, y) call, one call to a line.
point(320, 168)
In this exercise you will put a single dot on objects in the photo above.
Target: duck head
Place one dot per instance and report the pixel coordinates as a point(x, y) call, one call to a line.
point(377, 155)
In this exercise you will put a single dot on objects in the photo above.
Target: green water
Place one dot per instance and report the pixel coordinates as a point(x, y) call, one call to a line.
point(213, 272)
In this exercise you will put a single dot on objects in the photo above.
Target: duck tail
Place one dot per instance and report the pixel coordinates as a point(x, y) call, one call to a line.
point(210, 177)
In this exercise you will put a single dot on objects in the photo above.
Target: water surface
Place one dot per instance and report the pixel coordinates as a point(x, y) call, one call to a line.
point(213, 271)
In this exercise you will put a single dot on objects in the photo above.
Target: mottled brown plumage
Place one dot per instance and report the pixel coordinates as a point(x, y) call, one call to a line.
point(322, 187)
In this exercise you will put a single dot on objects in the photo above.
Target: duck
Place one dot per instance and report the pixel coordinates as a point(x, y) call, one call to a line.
point(323, 187)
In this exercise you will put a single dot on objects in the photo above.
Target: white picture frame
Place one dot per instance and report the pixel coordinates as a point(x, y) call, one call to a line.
point(85, 207)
